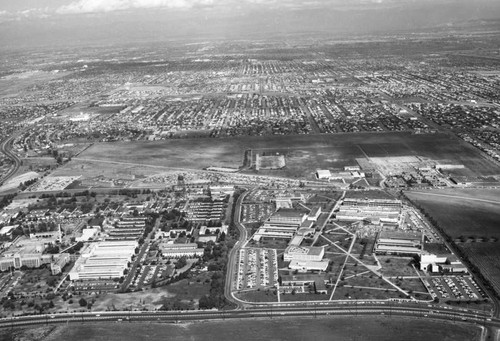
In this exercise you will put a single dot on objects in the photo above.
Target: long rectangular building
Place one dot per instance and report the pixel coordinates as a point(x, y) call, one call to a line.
point(181, 250)
point(106, 259)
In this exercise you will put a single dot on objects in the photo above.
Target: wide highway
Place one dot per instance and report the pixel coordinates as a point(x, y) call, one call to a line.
point(5, 149)
point(395, 309)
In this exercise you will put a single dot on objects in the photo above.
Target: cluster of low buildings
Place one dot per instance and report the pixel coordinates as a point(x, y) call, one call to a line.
point(287, 223)
point(376, 211)
point(205, 211)
point(349, 173)
point(29, 252)
point(127, 228)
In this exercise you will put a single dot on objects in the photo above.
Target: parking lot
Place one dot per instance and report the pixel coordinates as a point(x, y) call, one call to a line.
point(257, 268)
point(96, 286)
point(252, 213)
point(149, 274)
point(259, 196)
point(457, 288)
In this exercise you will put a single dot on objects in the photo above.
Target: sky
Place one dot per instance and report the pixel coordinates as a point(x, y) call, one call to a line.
point(53, 22)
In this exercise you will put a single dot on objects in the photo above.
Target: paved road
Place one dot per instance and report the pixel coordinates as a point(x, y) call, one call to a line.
point(231, 264)
point(394, 309)
point(5, 148)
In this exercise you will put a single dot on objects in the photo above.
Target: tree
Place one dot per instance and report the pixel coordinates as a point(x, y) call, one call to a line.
point(181, 263)
point(82, 302)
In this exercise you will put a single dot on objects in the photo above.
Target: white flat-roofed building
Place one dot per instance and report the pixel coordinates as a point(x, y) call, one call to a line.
point(287, 216)
point(455, 267)
point(283, 223)
point(314, 214)
point(399, 242)
point(87, 234)
point(445, 263)
point(58, 264)
point(375, 210)
point(345, 214)
point(274, 232)
point(189, 250)
point(323, 174)
point(297, 240)
point(303, 253)
point(309, 265)
point(7, 230)
point(397, 250)
point(30, 260)
point(378, 203)
point(104, 260)
point(221, 191)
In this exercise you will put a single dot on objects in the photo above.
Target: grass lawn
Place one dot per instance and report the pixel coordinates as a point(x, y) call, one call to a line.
point(396, 266)
point(258, 296)
point(361, 328)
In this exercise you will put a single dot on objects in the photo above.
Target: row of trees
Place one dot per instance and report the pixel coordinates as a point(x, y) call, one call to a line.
point(217, 255)
point(457, 250)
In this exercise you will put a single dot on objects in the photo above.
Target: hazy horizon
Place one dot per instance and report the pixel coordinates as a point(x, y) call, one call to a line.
point(26, 23)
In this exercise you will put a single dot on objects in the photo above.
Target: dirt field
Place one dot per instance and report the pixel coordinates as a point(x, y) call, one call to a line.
point(135, 300)
point(14, 182)
point(304, 153)
point(470, 212)
point(290, 329)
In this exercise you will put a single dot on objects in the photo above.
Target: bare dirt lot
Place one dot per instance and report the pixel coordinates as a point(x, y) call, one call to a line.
point(304, 153)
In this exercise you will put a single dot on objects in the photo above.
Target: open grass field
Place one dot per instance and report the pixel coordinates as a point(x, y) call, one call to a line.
point(468, 212)
point(291, 329)
point(462, 212)
point(304, 153)
point(486, 256)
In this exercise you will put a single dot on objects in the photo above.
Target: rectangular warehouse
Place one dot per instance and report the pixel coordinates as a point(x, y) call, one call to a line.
point(104, 260)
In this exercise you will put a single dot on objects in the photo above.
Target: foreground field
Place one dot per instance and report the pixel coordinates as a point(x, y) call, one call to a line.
point(304, 153)
point(472, 218)
point(466, 212)
point(344, 328)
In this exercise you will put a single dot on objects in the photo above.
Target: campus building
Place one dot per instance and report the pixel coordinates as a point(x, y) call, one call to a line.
point(104, 260)
point(283, 223)
point(377, 211)
point(397, 246)
point(447, 263)
point(305, 258)
point(31, 260)
point(303, 253)
point(190, 250)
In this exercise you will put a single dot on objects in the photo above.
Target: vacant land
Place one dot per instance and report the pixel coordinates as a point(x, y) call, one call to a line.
point(342, 328)
point(304, 153)
point(471, 214)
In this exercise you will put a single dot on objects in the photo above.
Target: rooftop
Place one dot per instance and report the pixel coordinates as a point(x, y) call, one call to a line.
point(288, 213)
point(304, 250)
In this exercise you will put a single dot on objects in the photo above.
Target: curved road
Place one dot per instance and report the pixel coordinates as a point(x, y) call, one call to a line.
point(231, 263)
point(5, 149)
